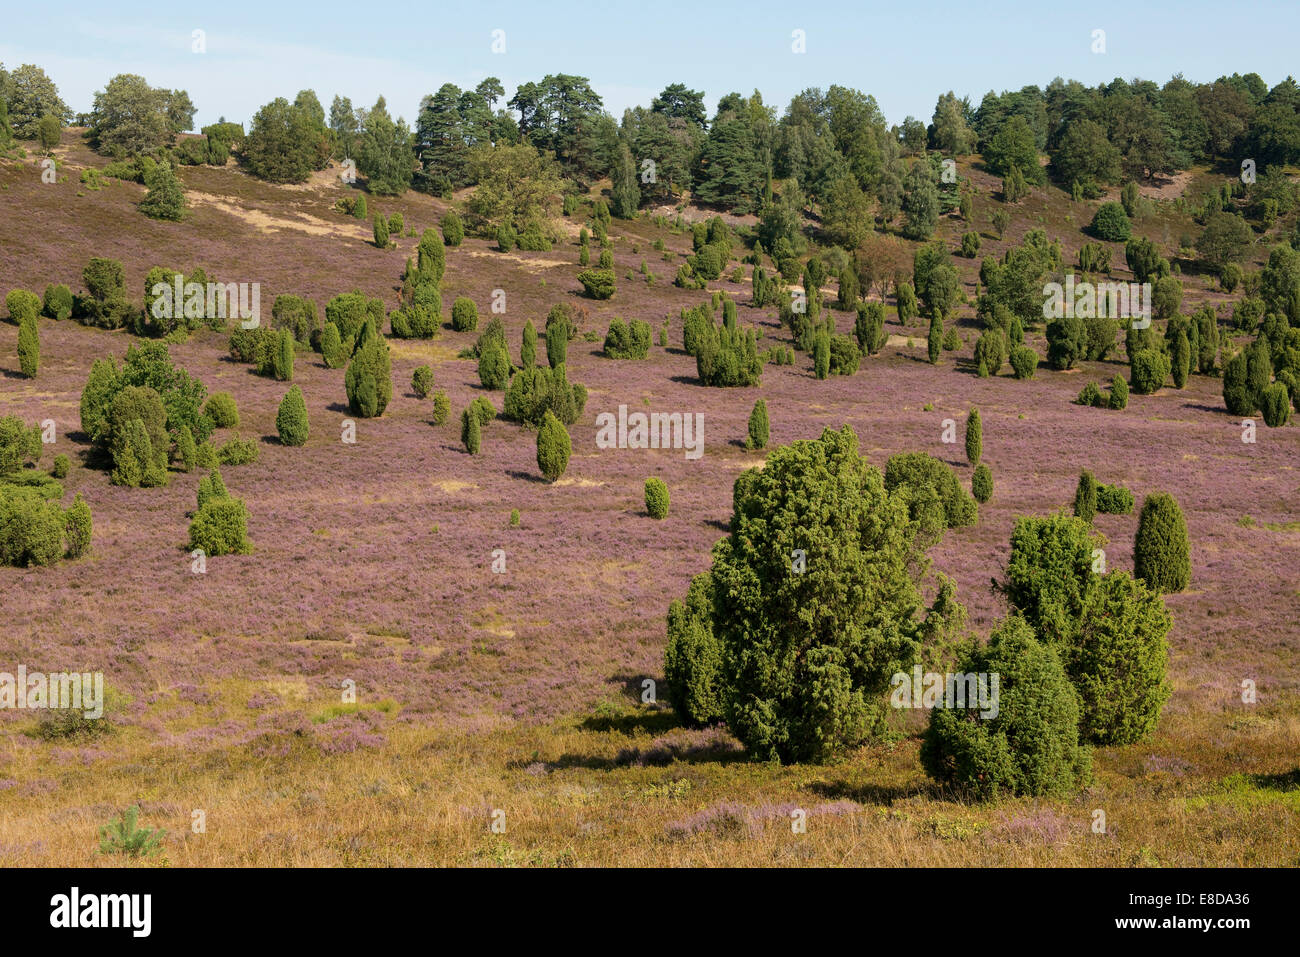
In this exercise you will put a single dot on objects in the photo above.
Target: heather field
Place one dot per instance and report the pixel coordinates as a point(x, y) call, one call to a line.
point(480, 691)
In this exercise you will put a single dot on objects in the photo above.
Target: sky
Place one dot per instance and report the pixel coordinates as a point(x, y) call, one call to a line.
point(904, 53)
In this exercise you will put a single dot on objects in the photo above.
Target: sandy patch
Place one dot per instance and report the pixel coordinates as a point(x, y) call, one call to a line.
point(452, 486)
point(266, 223)
point(532, 265)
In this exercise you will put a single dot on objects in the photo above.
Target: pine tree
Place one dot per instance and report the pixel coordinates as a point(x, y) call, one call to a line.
point(935, 341)
point(974, 437)
point(626, 193)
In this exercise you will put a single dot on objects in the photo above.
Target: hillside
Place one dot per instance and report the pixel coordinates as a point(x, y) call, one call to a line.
point(476, 690)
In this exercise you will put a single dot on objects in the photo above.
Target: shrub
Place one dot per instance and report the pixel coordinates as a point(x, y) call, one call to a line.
point(494, 367)
point(185, 449)
point(205, 456)
point(981, 483)
point(693, 656)
point(139, 453)
point(58, 302)
point(990, 352)
point(29, 348)
point(422, 381)
point(1024, 362)
point(453, 231)
point(470, 431)
point(77, 527)
point(507, 238)
point(1118, 393)
point(1067, 341)
point(557, 343)
point(1180, 354)
point(808, 654)
point(165, 198)
point(627, 340)
point(493, 336)
point(1118, 662)
point(441, 407)
point(221, 409)
point(656, 498)
point(220, 527)
point(464, 314)
point(19, 445)
point(758, 426)
point(1031, 747)
point(369, 381)
point(974, 437)
point(298, 315)
point(349, 312)
point(528, 345)
point(332, 349)
point(31, 529)
point(291, 419)
point(1275, 404)
point(1148, 370)
point(61, 463)
point(869, 327)
point(23, 306)
point(843, 355)
point(282, 362)
point(1091, 395)
point(934, 341)
point(930, 490)
point(728, 357)
point(1111, 223)
point(597, 283)
point(1160, 550)
point(553, 448)
point(534, 392)
point(237, 451)
point(970, 245)
point(1085, 497)
point(431, 258)
point(381, 232)
point(396, 224)
point(1114, 500)
point(1049, 573)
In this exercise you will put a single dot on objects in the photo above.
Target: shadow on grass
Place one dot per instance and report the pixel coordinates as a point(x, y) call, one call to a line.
point(1286, 781)
point(526, 476)
point(882, 794)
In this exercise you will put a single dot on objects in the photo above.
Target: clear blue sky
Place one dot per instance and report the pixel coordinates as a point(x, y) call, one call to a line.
point(904, 52)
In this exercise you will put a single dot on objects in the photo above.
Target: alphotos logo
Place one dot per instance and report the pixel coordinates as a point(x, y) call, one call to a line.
point(654, 430)
point(103, 910)
point(975, 690)
point(215, 300)
point(1117, 300)
point(62, 690)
